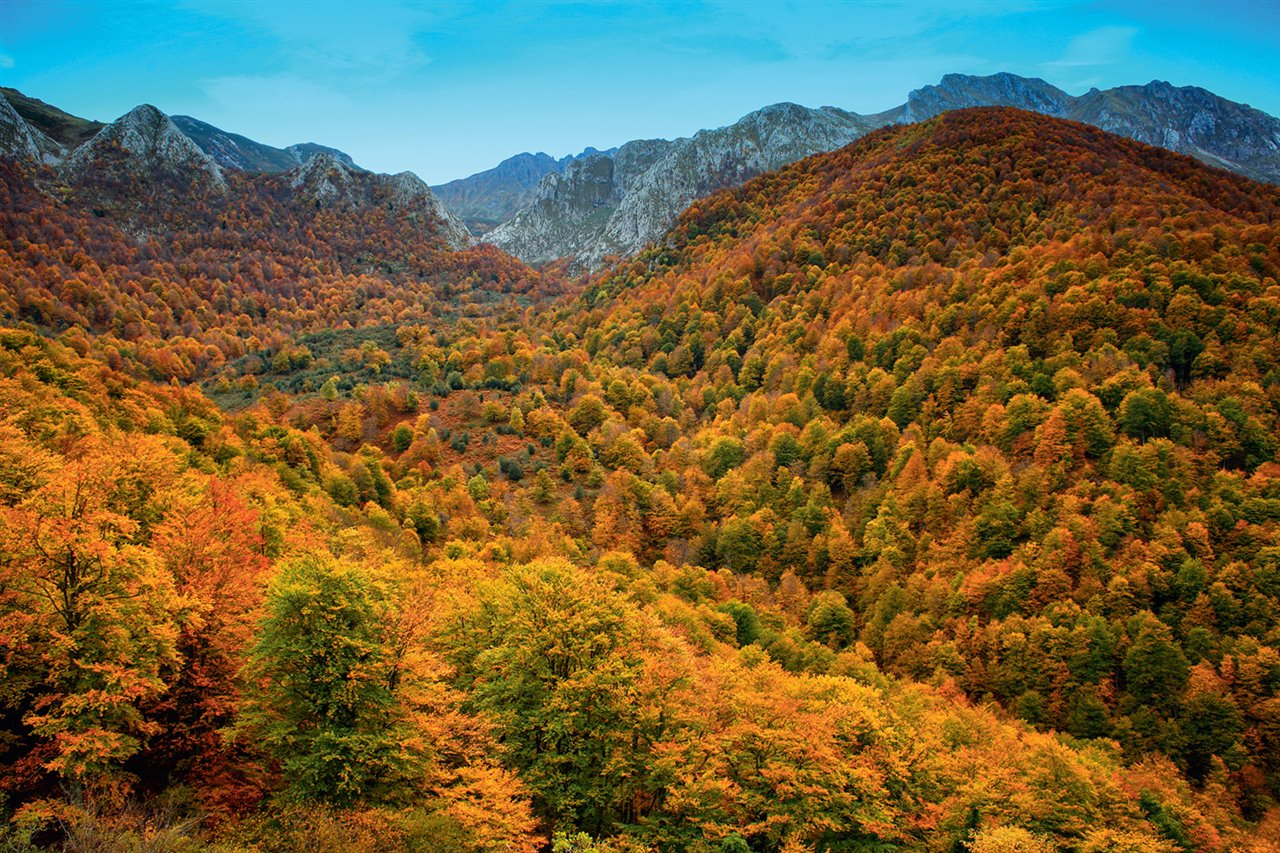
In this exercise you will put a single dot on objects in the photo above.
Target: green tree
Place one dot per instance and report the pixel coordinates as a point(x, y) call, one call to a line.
point(401, 438)
point(588, 414)
point(543, 489)
point(1155, 669)
point(322, 684)
point(747, 624)
point(1211, 725)
point(725, 454)
point(739, 545)
point(830, 620)
point(1146, 413)
point(554, 657)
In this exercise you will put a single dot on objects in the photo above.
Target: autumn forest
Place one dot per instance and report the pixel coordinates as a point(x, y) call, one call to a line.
point(922, 495)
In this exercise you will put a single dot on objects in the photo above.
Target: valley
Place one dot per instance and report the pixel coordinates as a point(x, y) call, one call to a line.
point(823, 482)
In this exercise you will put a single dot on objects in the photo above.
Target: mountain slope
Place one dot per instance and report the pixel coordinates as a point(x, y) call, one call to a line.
point(239, 152)
point(1019, 375)
point(145, 172)
point(173, 280)
point(330, 182)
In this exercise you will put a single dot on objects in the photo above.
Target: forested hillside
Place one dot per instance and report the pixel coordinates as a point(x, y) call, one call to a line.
point(923, 495)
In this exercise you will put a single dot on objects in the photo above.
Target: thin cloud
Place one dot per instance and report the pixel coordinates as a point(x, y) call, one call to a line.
point(376, 40)
point(1103, 46)
point(295, 109)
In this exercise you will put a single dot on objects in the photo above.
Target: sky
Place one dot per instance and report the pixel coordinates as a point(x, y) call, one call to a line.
point(446, 89)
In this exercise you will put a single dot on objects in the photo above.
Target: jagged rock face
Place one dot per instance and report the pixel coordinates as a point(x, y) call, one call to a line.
point(1191, 121)
point(570, 209)
point(327, 181)
point(1185, 119)
point(17, 138)
point(590, 212)
point(487, 198)
point(412, 193)
point(324, 179)
point(304, 151)
point(567, 208)
point(154, 147)
point(959, 91)
point(20, 138)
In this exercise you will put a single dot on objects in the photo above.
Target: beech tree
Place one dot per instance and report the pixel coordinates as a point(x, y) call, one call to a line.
point(97, 616)
point(322, 686)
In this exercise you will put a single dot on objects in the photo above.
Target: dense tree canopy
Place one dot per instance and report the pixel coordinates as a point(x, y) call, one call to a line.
point(923, 495)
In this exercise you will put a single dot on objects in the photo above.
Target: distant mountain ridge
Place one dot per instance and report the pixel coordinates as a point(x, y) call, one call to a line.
point(1185, 119)
point(146, 160)
point(59, 134)
point(569, 208)
point(593, 210)
point(239, 152)
point(487, 198)
point(566, 218)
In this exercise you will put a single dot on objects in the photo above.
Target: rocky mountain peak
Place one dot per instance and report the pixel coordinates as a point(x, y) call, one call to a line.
point(411, 192)
point(959, 91)
point(1189, 120)
point(328, 180)
point(323, 177)
point(304, 151)
point(154, 144)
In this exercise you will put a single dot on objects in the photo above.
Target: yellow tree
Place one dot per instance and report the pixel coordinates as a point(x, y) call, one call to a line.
point(97, 609)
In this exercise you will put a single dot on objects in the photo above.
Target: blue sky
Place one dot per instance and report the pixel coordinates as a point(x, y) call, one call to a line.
point(446, 89)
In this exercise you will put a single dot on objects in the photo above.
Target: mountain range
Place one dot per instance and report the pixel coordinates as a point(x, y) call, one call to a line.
point(581, 215)
point(599, 204)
